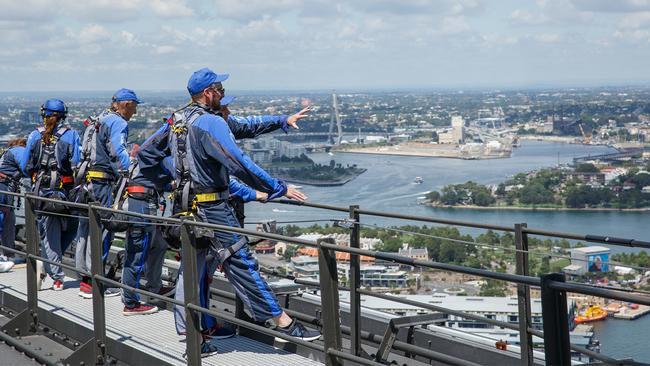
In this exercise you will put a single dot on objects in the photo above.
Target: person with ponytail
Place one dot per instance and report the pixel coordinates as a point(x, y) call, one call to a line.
point(51, 153)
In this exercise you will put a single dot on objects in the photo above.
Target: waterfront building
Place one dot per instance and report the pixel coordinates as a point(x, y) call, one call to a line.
point(414, 253)
point(305, 266)
point(590, 179)
point(458, 129)
point(380, 276)
point(588, 259)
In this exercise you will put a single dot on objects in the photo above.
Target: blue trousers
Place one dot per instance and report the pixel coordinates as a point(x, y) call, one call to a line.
point(57, 233)
point(103, 192)
point(241, 269)
point(145, 251)
point(7, 219)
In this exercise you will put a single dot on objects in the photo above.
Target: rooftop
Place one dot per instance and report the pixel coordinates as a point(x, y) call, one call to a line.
point(592, 249)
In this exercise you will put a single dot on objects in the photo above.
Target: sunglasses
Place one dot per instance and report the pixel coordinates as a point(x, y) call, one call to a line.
point(219, 88)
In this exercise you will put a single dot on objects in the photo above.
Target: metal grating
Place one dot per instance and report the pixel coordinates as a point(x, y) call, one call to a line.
point(153, 334)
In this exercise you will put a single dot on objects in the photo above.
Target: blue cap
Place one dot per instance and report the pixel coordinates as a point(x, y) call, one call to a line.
point(202, 79)
point(124, 95)
point(226, 100)
point(52, 106)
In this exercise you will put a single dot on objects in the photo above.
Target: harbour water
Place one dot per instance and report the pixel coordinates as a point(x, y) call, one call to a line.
point(388, 185)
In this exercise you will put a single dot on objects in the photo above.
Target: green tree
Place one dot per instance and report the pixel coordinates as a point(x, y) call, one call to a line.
point(493, 288)
point(587, 168)
point(535, 194)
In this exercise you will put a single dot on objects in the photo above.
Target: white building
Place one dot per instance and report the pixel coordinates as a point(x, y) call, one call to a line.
point(379, 276)
point(413, 253)
point(590, 259)
point(305, 266)
point(458, 129)
point(374, 139)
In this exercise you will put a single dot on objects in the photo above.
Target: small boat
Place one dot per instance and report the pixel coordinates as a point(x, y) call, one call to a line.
point(613, 308)
point(418, 180)
point(330, 153)
point(592, 314)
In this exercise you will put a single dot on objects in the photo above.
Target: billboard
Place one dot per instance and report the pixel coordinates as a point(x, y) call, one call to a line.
point(598, 262)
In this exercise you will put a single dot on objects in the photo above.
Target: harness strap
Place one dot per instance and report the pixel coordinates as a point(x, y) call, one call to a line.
point(98, 174)
point(211, 197)
point(225, 253)
point(140, 189)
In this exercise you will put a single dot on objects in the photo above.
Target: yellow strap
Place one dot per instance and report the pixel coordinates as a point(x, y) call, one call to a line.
point(98, 174)
point(206, 197)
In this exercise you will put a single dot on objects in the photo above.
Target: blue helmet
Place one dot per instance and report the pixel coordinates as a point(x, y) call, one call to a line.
point(54, 106)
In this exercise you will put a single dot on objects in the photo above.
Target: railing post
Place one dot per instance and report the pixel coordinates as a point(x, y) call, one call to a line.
point(97, 269)
point(556, 322)
point(354, 283)
point(32, 247)
point(191, 290)
point(26, 321)
point(329, 283)
point(523, 295)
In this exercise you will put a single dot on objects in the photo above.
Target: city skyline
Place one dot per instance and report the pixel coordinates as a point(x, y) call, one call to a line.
point(320, 45)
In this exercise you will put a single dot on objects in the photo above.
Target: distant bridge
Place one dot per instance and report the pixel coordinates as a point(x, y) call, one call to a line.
point(636, 152)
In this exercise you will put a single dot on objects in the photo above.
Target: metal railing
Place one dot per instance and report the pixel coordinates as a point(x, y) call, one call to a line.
point(553, 286)
point(554, 290)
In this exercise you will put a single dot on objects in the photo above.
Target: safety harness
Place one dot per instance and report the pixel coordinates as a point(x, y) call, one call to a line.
point(186, 193)
point(189, 195)
point(48, 173)
point(118, 222)
point(11, 181)
point(8, 179)
point(89, 153)
point(48, 177)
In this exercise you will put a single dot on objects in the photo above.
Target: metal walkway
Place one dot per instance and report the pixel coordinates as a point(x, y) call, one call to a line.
point(153, 334)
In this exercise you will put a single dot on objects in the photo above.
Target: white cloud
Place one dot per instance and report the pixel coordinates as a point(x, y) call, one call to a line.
point(266, 28)
point(165, 49)
point(454, 25)
point(171, 8)
point(522, 16)
point(612, 6)
point(101, 10)
point(635, 20)
point(548, 38)
point(90, 34)
point(633, 36)
point(25, 10)
point(253, 9)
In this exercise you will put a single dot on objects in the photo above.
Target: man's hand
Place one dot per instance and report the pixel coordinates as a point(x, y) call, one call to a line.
point(293, 119)
point(295, 194)
point(261, 196)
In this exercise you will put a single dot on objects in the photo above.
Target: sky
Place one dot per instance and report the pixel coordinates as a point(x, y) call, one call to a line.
point(68, 45)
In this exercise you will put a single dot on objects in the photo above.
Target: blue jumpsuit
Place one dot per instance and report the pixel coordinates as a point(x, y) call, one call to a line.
point(111, 157)
point(145, 246)
point(57, 233)
point(154, 171)
point(213, 157)
point(10, 175)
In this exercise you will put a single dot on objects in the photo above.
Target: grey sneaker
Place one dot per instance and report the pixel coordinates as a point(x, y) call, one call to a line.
point(207, 349)
point(297, 330)
point(86, 291)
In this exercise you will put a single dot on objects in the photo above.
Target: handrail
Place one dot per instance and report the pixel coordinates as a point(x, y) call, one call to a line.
point(558, 234)
point(551, 285)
